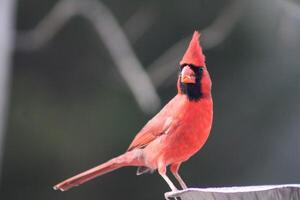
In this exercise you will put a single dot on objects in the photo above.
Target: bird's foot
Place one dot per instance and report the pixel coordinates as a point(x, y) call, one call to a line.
point(168, 195)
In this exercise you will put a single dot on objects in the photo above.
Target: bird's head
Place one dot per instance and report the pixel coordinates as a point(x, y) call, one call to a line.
point(194, 80)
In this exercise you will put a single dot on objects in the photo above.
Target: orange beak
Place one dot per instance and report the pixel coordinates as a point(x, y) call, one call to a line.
point(188, 75)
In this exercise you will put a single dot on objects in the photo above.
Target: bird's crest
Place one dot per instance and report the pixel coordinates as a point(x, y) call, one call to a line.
point(194, 55)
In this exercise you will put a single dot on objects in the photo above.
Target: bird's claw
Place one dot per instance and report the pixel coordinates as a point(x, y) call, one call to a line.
point(168, 194)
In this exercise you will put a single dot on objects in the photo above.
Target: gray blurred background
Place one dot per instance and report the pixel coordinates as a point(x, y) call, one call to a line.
point(84, 76)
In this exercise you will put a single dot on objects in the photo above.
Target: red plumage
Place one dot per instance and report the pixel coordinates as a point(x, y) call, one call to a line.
point(194, 54)
point(176, 133)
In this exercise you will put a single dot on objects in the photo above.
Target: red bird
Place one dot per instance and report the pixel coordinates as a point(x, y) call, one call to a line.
point(176, 133)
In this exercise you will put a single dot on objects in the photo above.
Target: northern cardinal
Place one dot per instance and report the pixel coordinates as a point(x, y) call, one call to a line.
point(173, 135)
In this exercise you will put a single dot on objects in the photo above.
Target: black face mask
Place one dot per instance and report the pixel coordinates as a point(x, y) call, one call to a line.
point(192, 90)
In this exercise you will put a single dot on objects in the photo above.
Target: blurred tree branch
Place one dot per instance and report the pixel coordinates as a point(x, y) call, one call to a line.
point(119, 46)
point(47, 27)
point(287, 30)
point(140, 22)
point(163, 67)
point(7, 8)
point(112, 36)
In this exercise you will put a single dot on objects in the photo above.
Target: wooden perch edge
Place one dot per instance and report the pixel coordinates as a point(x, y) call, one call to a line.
point(265, 192)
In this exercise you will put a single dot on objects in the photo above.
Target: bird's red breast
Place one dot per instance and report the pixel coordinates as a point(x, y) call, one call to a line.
point(187, 127)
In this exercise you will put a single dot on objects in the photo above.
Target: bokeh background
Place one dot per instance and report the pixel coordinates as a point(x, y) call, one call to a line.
point(70, 108)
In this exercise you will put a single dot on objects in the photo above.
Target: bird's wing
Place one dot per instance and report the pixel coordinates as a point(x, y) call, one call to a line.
point(157, 126)
point(153, 129)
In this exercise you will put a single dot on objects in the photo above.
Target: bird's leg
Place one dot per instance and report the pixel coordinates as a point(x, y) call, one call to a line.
point(162, 171)
point(171, 185)
point(174, 169)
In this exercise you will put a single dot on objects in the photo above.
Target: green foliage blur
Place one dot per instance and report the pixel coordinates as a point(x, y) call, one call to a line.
point(70, 109)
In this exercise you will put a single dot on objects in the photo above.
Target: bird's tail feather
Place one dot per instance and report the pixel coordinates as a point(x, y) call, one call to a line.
point(130, 158)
